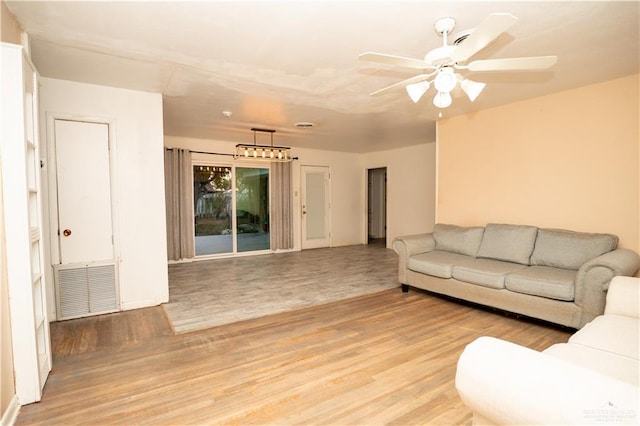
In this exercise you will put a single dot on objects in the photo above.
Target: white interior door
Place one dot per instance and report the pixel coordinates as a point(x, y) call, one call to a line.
point(84, 191)
point(316, 207)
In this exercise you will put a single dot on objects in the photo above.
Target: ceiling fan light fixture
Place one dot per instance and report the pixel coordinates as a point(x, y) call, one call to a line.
point(445, 80)
point(416, 90)
point(442, 100)
point(472, 88)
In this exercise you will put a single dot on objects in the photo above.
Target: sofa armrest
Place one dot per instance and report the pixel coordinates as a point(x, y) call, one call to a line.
point(623, 297)
point(505, 383)
point(593, 278)
point(407, 246)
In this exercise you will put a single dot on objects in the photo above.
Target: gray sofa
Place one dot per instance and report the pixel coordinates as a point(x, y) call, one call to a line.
point(555, 275)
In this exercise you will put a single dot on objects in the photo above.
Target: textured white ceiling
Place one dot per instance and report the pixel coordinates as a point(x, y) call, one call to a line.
point(275, 63)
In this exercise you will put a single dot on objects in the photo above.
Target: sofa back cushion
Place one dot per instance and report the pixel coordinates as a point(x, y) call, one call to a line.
point(570, 250)
point(510, 243)
point(458, 239)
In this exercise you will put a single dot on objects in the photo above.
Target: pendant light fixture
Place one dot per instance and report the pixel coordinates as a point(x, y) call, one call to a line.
point(263, 152)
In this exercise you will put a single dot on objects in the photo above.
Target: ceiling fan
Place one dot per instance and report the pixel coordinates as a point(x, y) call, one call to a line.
point(444, 62)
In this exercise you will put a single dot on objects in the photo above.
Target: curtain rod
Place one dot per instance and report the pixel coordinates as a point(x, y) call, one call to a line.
point(215, 153)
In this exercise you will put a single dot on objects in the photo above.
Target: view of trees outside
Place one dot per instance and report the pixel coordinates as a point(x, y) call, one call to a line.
point(212, 200)
point(252, 208)
point(213, 208)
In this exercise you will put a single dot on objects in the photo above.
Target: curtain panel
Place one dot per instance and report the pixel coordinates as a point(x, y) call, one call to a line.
point(281, 228)
point(179, 205)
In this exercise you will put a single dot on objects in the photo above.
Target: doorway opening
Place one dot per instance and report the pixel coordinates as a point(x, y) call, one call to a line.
point(377, 206)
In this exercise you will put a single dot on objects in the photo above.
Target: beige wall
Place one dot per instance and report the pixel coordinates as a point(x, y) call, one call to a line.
point(10, 28)
point(567, 160)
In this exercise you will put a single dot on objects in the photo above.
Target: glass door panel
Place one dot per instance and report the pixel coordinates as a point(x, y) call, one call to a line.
point(252, 209)
point(212, 197)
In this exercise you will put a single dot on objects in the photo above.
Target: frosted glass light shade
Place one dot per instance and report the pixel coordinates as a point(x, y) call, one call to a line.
point(416, 90)
point(442, 99)
point(472, 88)
point(445, 80)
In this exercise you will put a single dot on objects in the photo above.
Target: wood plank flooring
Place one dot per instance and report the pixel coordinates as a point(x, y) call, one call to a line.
point(384, 358)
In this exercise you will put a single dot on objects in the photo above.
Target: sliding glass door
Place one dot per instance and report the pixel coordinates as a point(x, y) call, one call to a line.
point(231, 209)
point(252, 208)
point(212, 196)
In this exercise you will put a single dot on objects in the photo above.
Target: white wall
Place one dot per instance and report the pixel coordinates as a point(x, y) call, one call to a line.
point(348, 186)
point(139, 215)
point(410, 187)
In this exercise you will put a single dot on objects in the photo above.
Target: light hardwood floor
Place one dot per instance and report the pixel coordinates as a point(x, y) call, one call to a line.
point(384, 358)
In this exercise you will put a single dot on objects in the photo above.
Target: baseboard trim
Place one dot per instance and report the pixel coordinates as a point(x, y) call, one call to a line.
point(137, 304)
point(10, 415)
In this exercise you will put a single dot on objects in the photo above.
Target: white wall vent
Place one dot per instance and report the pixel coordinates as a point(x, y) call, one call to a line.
point(84, 290)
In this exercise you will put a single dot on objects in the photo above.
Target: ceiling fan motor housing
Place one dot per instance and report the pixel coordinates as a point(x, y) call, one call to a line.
point(440, 56)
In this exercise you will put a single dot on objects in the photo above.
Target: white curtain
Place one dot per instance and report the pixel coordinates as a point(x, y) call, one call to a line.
point(178, 196)
point(281, 211)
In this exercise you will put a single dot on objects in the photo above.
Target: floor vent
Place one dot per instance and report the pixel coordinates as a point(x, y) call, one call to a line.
point(84, 290)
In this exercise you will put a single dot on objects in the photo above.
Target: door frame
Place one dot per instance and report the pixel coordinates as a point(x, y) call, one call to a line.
point(320, 243)
point(51, 210)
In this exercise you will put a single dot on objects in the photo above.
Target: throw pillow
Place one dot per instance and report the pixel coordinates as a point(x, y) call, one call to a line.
point(458, 239)
point(568, 249)
point(510, 243)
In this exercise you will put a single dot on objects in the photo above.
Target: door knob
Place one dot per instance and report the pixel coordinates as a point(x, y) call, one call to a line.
point(66, 232)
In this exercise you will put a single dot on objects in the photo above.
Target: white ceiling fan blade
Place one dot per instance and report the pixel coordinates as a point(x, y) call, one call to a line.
point(488, 30)
point(395, 60)
point(415, 79)
point(514, 64)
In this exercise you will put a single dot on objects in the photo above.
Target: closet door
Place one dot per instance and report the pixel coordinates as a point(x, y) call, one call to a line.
point(86, 275)
point(84, 191)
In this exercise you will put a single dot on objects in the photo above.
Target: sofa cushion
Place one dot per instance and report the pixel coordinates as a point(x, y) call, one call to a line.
point(612, 333)
point(511, 243)
point(568, 249)
point(458, 239)
point(437, 263)
point(485, 272)
point(552, 283)
point(608, 363)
